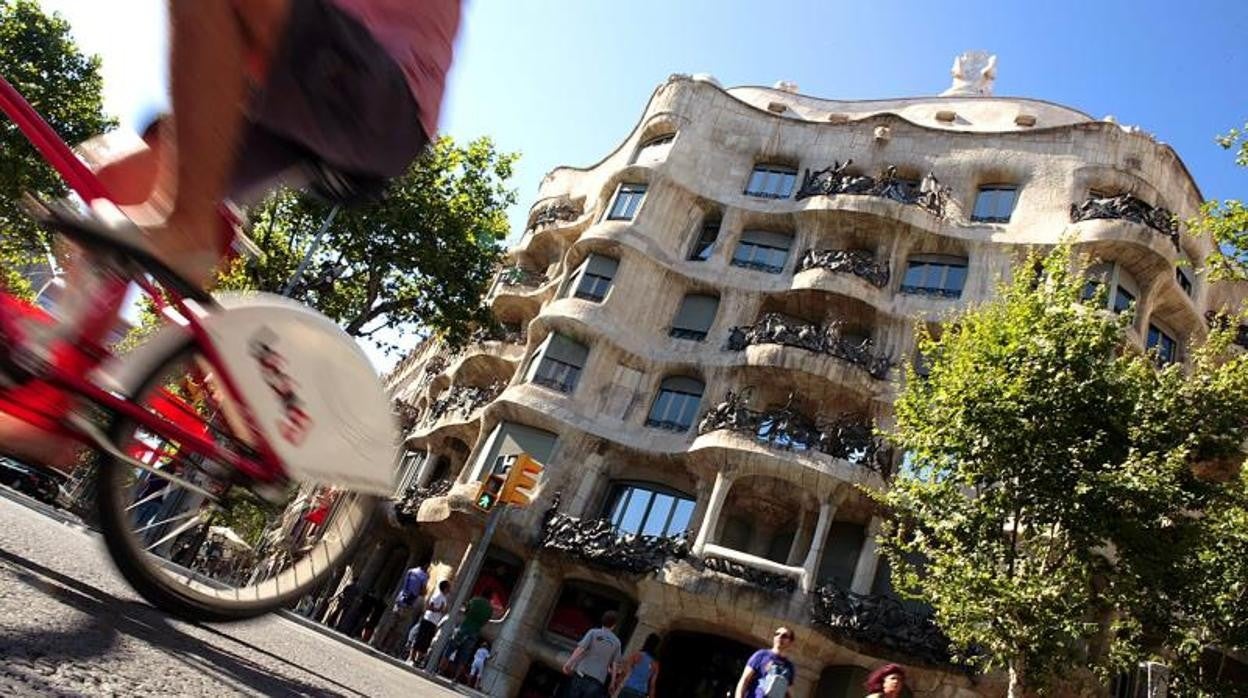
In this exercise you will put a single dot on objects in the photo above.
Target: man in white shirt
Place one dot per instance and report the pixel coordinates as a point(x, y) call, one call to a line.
point(422, 633)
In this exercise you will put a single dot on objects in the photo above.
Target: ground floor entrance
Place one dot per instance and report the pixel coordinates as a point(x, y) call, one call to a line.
point(701, 665)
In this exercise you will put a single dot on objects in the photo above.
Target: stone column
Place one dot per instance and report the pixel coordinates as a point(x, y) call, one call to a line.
point(710, 521)
point(590, 477)
point(868, 560)
point(799, 538)
point(815, 555)
point(426, 468)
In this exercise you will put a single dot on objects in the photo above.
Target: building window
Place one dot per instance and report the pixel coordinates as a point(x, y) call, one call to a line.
point(676, 405)
point(627, 198)
point(1111, 275)
point(994, 203)
point(409, 470)
point(654, 150)
point(695, 317)
point(935, 275)
point(505, 443)
point(592, 280)
point(763, 250)
point(771, 181)
point(1163, 343)
point(648, 510)
point(580, 608)
point(1184, 279)
point(705, 244)
point(558, 363)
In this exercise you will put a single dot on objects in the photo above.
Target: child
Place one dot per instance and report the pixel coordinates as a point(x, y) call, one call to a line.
point(478, 664)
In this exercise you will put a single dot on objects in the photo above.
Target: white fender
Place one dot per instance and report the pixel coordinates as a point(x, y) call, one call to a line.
point(312, 390)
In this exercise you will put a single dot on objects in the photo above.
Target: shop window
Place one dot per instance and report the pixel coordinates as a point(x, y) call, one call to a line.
point(580, 608)
point(498, 578)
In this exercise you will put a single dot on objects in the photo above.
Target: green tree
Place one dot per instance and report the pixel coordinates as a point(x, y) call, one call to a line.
point(1226, 221)
point(1049, 508)
point(423, 255)
point(40, 59)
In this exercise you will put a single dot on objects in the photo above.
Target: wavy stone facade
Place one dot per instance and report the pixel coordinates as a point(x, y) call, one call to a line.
point(703, 456)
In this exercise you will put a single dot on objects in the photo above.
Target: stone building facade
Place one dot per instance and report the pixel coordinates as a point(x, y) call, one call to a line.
point(696, 336)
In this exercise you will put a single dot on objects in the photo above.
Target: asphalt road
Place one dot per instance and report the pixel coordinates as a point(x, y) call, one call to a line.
point(69, 626)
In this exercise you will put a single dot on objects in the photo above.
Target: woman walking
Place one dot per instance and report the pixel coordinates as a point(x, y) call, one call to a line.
point(886, 682)
point(641, 671)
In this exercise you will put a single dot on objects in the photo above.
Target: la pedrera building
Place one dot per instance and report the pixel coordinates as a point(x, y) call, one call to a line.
point(697, 336)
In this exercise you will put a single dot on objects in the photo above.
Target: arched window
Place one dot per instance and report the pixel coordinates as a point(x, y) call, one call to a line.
point(654, 149)
point(580, 608)
point(676, 405)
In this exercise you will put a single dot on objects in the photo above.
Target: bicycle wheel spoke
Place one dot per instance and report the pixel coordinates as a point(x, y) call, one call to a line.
point(176, 532)
point(167, 521)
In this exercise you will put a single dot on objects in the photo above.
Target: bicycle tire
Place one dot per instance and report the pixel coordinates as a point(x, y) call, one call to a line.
point(196, 599)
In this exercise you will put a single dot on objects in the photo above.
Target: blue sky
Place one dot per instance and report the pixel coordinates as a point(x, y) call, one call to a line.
point(564, 82)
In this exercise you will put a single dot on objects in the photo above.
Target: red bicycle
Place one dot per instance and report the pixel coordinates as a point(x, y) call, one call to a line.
point(242, 446)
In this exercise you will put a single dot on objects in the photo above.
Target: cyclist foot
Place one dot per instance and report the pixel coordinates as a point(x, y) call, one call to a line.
point(29, 443)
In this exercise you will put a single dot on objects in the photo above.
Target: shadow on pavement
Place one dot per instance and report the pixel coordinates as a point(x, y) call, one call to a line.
point(110, 616)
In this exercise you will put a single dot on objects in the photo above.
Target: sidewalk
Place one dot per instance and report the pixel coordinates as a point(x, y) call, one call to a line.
point(59, 515)
point(375, 653)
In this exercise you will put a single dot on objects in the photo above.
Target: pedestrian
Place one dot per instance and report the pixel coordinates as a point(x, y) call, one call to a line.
point(478, 664)
point(886, 682)
point(769, 673)
point(459, 652)
point(422, 634)
point(595, 662)
point(641, 671)
point(344, 605)
point(374, 607)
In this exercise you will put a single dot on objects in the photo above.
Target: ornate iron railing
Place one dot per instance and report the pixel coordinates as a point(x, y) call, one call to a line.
point(406, 413)
point(407, 506)
point(1222, 321)
point(498, 332)
point(860, 263)
point(881, 622)
point(549, 214)
point(599, 544)
point(774, 328)
point(767, 581)
point(517, 276)
point(1130, 208)
point(462, 400)
point(849, 437)
point(929, 194)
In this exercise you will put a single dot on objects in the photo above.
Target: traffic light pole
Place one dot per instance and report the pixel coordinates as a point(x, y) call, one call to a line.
point(465, 580)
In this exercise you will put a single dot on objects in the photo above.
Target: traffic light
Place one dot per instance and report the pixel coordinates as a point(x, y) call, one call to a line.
point(521, 482)
point(488, 492)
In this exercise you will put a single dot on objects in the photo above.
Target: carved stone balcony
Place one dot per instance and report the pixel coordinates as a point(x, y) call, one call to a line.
point(762, 573)
point(599, 544)
point(519, 277)
point(407, 506)
point(1129, 208)
point(462, 400)
point(880, 622)
point(848, 437)
point(929, 194)
point(774, 328)
point(860, 263)
point(508, 334)
point(557, 212)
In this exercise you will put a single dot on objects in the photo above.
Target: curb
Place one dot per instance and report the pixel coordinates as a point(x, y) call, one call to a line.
point(62, 517)
point(376, 653)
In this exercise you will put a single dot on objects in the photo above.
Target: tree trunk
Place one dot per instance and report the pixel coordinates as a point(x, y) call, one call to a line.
point(1016, 678)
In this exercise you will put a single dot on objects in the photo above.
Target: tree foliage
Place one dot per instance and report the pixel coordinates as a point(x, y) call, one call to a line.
point(1050, 489)
point(40, 59)
point(423, 255)
point(1226, 221)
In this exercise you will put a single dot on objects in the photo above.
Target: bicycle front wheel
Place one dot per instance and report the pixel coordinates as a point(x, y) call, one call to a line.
point(199, 544)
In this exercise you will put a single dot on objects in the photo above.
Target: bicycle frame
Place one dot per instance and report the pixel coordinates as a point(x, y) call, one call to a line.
point(46, 401)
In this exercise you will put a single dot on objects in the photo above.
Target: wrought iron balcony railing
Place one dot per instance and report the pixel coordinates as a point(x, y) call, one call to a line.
point(558, 212)
point(849, 437)
point(928, 194)
point(462, 400)
point(405, 509)
point(1129, 208)
point(519, 277)
point(860, 263)
point(774, 328)
point(881, 622)
point(599, 544)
